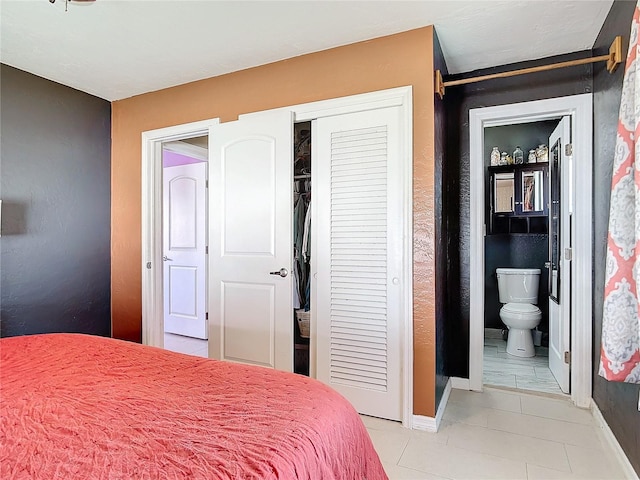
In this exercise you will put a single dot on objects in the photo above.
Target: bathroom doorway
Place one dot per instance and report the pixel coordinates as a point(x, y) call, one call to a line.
point(526, 226)
point(517, 197)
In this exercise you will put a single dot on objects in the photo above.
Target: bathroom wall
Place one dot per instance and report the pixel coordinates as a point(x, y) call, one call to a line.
point(519, 250)
point(55, 182)
point(617, 401)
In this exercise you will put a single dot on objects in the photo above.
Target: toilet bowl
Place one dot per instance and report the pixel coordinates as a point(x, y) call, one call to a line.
point(518, 291)
point(520, 318)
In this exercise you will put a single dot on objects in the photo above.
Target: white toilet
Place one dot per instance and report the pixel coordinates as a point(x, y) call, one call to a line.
point(518, 290)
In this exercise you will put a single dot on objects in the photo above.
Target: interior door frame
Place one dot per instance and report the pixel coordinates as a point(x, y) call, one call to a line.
point(152, 282)
point(579, 108)
point(152, 331)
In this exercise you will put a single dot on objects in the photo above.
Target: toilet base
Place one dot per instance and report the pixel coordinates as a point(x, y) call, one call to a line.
point(520, 343)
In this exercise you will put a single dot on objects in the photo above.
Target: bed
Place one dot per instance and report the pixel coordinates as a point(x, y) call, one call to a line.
point(80, 406)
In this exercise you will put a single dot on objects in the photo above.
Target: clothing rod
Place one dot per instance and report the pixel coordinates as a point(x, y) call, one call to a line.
point(299, 177)
point(613, 59)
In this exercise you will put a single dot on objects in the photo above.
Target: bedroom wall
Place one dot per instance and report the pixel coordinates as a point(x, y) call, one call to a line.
point(387, 62)
point(55, 188)
point(618, 402)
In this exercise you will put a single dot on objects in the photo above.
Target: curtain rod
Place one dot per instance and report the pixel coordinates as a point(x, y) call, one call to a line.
point(613, 59)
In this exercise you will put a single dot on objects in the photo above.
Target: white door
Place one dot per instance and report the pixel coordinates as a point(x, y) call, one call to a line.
point(559, 266)
point(184, 243)
point(358, 264)
point(250, 240)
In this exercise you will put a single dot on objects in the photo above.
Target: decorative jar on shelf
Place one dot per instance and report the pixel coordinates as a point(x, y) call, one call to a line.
point(542, 153)
point(495, 157)
point(532, 156)
point(518, 156)
point(503, 158)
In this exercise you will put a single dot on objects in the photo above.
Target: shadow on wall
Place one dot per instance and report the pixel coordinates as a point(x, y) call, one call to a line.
point(14, 218)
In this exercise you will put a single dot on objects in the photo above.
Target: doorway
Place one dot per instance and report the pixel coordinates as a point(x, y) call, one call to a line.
point(520, 225)
point(184, 245)
point(152, 232)
point(578, 110)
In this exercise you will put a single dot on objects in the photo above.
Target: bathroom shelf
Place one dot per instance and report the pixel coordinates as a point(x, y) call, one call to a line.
point(513, 224)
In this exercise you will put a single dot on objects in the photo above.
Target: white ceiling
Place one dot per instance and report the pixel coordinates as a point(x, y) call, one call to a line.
point(118, 48)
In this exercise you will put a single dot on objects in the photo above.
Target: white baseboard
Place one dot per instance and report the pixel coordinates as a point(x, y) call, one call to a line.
point(420, 422)
point(430, 424)
point(460, 383)
point(612, 441)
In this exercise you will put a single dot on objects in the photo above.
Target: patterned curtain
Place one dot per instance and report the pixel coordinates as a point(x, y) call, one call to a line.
point(620, 353)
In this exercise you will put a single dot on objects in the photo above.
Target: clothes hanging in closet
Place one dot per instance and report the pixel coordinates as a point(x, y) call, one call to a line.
point(300, 257)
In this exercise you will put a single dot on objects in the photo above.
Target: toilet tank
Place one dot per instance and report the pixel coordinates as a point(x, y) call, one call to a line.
point(518, 285)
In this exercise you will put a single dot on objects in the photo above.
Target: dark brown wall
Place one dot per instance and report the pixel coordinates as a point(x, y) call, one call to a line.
point(618, 402)
point(554, 83)
point(55, 183)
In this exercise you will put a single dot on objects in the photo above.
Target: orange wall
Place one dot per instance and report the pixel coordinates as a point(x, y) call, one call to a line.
point(393, 61)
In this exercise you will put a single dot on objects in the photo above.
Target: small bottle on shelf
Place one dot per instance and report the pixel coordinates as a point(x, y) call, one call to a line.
point(495, 157)
point(518, 156)
point(503, 158)
point(532, 156)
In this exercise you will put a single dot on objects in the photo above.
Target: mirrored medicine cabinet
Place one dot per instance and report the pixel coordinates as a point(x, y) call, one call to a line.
point(519, 199)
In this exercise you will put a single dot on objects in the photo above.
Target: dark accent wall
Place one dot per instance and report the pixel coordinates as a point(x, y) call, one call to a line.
point(459, 100)
point(440, 174)
point(618, 402)
point(55, 186)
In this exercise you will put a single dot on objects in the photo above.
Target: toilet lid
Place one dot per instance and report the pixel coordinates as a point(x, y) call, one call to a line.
point(521, 308)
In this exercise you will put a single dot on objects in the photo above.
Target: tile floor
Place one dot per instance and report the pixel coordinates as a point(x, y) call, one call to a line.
point(188, 345)
point(503, 370)
point(498, 434)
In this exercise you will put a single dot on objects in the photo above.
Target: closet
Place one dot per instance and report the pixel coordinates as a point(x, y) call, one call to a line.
point(318, 286)
point(301, 270)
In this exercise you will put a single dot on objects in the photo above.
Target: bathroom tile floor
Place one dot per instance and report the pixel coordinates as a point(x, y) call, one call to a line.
point(499, 434)
point(503, 370)
point(188, 345)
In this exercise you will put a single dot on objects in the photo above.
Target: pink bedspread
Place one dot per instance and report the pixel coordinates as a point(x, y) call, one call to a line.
point(78, 406)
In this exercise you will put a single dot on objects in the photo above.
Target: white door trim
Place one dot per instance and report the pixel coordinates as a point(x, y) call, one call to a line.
point(152, 140)
point(579, 107)
point(187, 149)
point(152, 332)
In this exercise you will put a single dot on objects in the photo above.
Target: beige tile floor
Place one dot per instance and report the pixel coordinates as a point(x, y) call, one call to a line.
point(498, 434)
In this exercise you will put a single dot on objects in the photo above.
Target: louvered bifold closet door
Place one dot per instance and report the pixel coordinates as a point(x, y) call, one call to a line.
point(358, 262)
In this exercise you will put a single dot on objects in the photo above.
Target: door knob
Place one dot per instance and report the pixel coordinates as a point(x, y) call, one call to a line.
point(283, 272)
point(167, 259)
